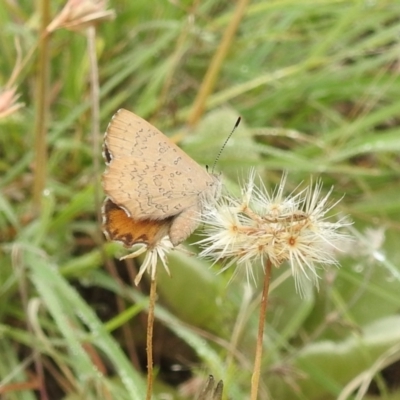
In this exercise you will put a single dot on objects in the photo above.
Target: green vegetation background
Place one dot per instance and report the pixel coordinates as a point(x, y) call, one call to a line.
point(317, 84)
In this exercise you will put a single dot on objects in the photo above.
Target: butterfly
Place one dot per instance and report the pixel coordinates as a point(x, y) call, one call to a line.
point(154, 189)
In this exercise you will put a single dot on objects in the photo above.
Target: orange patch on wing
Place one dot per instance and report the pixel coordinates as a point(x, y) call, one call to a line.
point(118, 226)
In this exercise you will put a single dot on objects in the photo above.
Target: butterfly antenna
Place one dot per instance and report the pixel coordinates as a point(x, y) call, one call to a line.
point(226, 141)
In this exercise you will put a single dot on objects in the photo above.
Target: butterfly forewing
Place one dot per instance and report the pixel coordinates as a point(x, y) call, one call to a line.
point(147, 174)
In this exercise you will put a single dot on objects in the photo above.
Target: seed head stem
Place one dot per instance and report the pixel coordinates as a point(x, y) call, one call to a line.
point(255, 379)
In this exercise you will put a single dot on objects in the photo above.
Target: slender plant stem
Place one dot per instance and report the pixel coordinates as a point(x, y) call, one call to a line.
point(42, 107)
point(95, 108)
point(41, 122)
point(176, 56)
point(149, 339)
point(255, 379)
point(214, 69)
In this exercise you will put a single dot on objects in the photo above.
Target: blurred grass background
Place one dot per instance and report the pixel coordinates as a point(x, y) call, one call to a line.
point(317, 84)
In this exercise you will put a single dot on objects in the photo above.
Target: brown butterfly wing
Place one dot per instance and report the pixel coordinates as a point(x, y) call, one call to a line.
point(147, 174)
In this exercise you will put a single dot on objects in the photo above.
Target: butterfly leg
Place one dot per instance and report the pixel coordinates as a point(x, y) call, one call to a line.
point(184, 224)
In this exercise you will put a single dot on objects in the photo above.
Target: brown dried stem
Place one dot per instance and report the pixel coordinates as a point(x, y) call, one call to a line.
point(42, 107)
point(214, 69)
point(149, 338)
point(255, 379)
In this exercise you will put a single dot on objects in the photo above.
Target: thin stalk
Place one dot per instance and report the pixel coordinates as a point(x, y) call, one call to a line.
point(42, 107)
point(215, 67)
point(95, 109)
point(176, 57)
point(255, 379)
point(40, 162)
point(149, 339)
